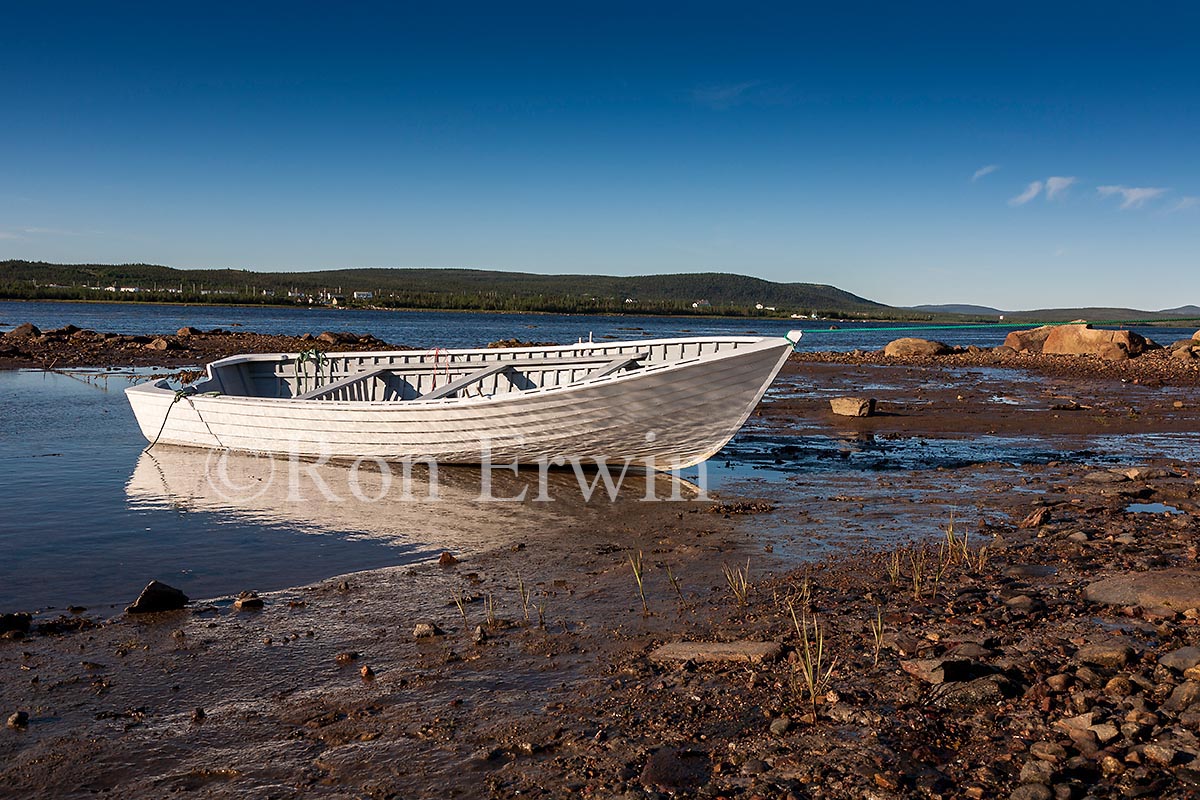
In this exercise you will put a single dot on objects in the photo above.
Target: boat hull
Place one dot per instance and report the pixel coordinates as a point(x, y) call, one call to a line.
point(665, 418)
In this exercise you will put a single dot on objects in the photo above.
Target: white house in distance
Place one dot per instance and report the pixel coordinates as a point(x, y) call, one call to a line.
point(364, 295)
point(701, 304)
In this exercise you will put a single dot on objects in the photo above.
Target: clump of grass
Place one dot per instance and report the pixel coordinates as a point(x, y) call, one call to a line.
point(877, 634)
point(893, 567)
point(489, 608)
point(738, 580)
point(918, 562)
point(541, 612)
point(814, 671)
point(523, 591)
point(636, 564)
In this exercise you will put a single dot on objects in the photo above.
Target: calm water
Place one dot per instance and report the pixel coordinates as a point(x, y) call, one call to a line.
point(450, 329)
point(88, 519)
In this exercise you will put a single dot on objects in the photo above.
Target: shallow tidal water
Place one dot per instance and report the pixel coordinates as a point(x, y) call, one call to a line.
point(89, 518)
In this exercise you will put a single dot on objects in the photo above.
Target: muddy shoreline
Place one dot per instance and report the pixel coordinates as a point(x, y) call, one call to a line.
point(983, 662)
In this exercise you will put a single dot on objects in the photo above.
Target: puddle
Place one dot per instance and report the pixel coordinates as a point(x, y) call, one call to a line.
point(1151, 508)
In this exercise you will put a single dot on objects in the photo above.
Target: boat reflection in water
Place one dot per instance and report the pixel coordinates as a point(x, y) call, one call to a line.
point(408, 506)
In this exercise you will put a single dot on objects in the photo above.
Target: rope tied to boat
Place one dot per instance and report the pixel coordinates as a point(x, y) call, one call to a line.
point(318, 358)
point(179, 395)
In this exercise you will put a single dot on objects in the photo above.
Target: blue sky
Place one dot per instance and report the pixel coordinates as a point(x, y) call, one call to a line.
point(1012, 154)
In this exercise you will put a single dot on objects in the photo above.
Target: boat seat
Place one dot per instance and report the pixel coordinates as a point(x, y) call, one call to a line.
point(329, 388)
point(466, 380)
point(617, 364)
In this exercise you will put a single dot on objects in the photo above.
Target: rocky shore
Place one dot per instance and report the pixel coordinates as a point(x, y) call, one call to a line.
point(26, 346)
point(1032, 633)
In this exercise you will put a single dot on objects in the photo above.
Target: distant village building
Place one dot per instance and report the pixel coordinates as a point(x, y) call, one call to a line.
point(761, 307)
point(701, 304)
point(364, 295)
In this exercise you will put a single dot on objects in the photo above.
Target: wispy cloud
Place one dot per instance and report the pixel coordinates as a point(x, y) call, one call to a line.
point(724, 95)
point(8, 235)
point(1132, 196)
point(48, 232)
point(1057, 185)
point(984, 171)
point(1031, 191)
point(1184, 203)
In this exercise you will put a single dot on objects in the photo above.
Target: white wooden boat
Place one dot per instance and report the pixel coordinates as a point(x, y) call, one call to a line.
point(657, 404)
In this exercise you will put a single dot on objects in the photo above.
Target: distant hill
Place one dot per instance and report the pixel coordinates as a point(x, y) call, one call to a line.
point(448, 288)
point(1183, 311)
point(1099, 315)
point(959, 308)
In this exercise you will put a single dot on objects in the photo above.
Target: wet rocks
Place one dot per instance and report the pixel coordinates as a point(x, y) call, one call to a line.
point(1084, 340)
point(1182, 659)
point(160, 343)
point(514, 342)
point(346, 657)
point(427, 630)
point(26, 331)
point(1168, 590)
point(14, 623)
point(910, 346)
point(187, 331)
point(708, 652)
point(853, 406)
point(676, 770)
point(1110, 655)
point(248, 601)
point(158, 596)
point(19, 720)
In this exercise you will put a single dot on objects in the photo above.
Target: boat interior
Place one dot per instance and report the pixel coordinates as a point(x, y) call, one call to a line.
point(442, 374)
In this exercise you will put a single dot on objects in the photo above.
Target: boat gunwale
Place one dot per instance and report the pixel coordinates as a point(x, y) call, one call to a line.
point(162, 388)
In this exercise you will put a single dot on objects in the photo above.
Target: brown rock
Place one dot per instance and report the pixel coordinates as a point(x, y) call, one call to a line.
point(19, 720)
point(1084, 340)
point(699, 652)
point(26, 331)
point(853, 406)
point(447, 559)
point(346, 657)
point(1030, 341)
point(1164, 591)
point(1113, 655)
point(161, 344)
point(1036, 518)
point(188, 331)
point(248, 601)
point(909, 346)
point(426, 630)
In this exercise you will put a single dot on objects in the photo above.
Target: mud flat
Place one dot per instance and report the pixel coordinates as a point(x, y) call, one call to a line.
point(994, 622)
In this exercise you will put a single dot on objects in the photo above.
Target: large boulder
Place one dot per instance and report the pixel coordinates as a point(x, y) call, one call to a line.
point(1030, 341)
point(853, 406)
point(1196, 335)
point(158, 596)
point(1084, 340)
point(909, 346)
